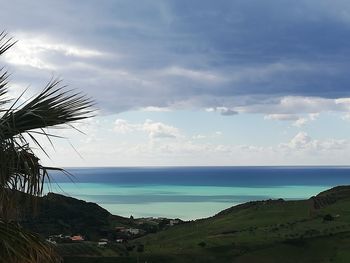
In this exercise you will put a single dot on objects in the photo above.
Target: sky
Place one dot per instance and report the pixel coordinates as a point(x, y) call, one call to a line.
point(200, 82)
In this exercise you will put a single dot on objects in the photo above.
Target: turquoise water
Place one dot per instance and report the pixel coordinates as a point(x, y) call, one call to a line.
point(177, 201)
point(193, 192)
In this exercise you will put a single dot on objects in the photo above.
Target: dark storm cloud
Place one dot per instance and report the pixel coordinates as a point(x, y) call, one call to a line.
point(188, 53)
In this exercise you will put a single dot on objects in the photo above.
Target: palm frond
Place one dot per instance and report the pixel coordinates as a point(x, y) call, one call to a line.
point(20, 169)
point(6, 42)
point(52, 107)
point(20, 246)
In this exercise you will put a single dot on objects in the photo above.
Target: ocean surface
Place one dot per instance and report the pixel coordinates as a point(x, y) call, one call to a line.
point(192, 192)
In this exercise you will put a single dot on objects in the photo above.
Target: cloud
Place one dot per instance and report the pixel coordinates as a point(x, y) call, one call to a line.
point(300, 122)
point(123, 126)
point(155, 130)
point(155, 109)
point(159, 130)
point(223, 111)
point(284, 57)
point(291, 105)
point(303, 142)
point(281, 117)
point(40, 52)
point(300, 141)
point(125, 146)
point(207, 136)
point(201, 76)
point(297, 120)
point(313, 116)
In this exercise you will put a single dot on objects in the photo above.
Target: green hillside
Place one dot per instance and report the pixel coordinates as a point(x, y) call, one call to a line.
point(314, 230)
point(58, 214)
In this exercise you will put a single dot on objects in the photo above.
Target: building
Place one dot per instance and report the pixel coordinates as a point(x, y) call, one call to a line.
point(77, 238)
point(102, 244)
point(133, 231)
point(173, 222)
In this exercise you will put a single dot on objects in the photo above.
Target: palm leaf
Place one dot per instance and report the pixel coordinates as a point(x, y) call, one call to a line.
point(20, 246)
point(5, 42)
point(20, 168)
point(52, 107)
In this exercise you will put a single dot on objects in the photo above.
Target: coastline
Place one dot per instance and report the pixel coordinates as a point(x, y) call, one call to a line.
point(185, 202)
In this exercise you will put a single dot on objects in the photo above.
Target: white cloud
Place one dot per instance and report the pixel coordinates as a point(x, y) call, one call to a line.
point(38, 51)
point(155, 109)
point(314, 116)
point(300, 122)
point(153, 129)
point(293, 105)
point(281, 117)
point(223, 111)
point(216, 134)
point(297, 120)
point(160, 130)
point(344, 102)
point(302, 141)
point(123, 126)
point(108, 149)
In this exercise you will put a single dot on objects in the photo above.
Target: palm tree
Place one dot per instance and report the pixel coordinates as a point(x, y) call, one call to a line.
point(20, 168)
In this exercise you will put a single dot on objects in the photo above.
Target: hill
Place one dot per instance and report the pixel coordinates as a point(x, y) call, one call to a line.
point(313, 230)
point(58, 214)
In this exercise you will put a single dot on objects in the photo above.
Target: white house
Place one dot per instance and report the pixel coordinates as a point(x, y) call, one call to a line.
point(102, 243)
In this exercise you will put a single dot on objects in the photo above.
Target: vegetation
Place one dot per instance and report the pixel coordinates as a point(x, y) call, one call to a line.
point(67, 216)
point(60, 214)
point(314, 230)
point(20, 168)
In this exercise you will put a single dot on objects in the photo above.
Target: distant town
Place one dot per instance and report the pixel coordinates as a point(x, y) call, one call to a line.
point(120, 234)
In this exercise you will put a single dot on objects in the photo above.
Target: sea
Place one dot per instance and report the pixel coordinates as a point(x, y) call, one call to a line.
point(191, 193)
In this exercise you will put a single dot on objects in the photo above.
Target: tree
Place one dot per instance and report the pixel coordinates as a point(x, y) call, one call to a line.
point(20, 168)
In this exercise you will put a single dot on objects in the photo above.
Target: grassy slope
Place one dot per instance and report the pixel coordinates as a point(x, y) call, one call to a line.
point(270, 231)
